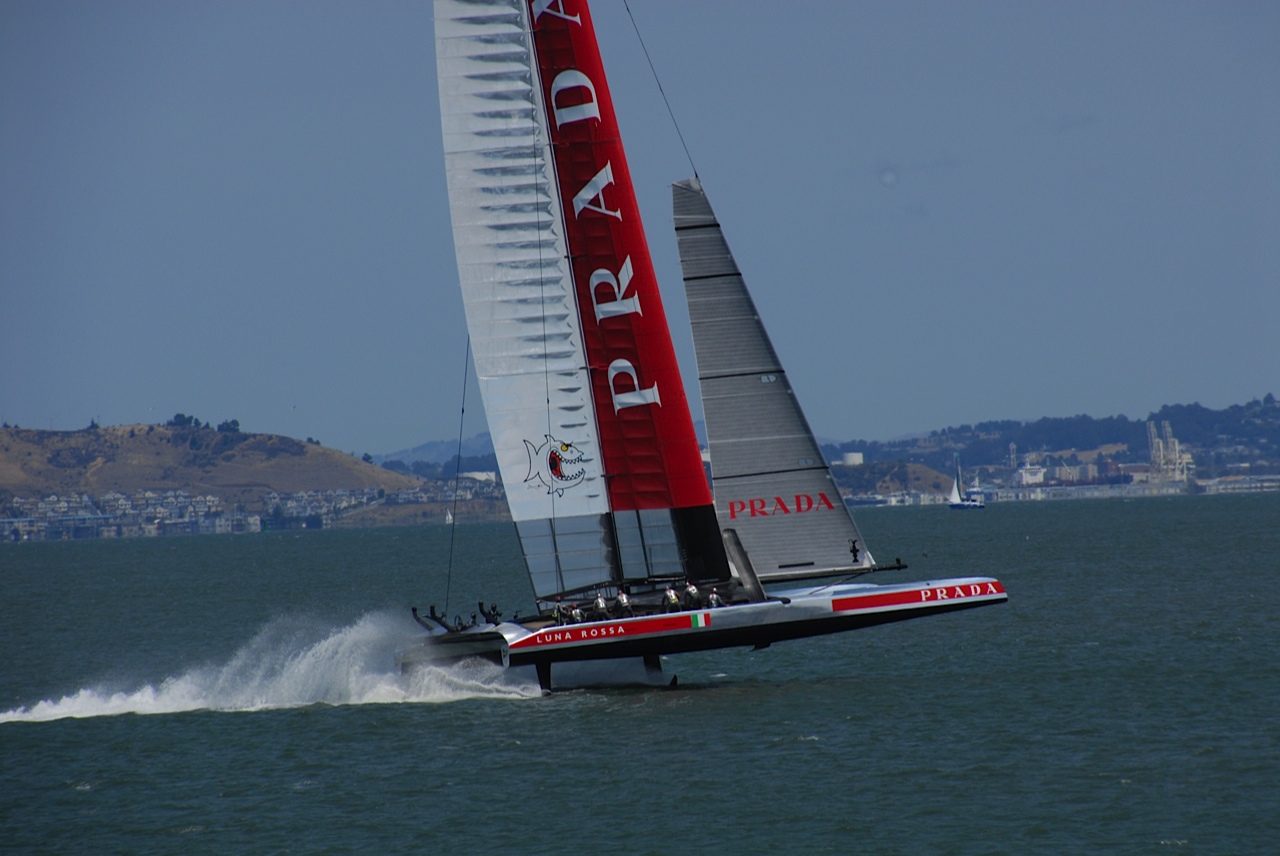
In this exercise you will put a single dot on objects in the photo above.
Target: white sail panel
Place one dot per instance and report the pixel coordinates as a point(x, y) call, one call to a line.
point(516, 283)
point(771, 483)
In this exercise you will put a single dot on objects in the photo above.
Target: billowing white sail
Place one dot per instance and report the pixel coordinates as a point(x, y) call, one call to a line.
point(772, 485)
point(580, 383)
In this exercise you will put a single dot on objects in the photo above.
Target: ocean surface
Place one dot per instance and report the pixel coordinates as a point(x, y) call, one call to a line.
point(224, 694)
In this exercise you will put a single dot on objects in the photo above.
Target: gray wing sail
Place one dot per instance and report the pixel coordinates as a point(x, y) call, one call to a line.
point(772, 485)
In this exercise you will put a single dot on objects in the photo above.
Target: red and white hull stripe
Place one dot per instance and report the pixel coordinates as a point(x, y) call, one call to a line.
point(793, 614)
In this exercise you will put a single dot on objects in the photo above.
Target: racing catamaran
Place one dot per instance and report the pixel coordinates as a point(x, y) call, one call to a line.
point(629, 556)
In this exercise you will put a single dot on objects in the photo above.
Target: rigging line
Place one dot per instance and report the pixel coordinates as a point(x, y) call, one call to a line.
point(542, 282)
point(661, 91)
point(538, 169)
point(543, 163)
point(457, 472)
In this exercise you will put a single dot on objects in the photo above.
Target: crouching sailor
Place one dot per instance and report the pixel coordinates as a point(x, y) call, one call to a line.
point(671, 600)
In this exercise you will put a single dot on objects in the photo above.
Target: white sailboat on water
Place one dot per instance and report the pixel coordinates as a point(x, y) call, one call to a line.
point(971, 499)
point(628, 554)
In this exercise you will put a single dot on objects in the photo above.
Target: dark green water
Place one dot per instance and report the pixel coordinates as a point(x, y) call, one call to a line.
point(237, 694)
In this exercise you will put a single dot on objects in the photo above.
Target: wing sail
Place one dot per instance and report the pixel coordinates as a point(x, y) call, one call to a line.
point(577, 371)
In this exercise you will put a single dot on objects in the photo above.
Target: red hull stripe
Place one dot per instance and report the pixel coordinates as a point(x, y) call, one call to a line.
point(613, 629)
point(917, 597)
point(647, 444)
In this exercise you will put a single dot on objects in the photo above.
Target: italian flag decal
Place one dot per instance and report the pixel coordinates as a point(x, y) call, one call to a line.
point(701, 619)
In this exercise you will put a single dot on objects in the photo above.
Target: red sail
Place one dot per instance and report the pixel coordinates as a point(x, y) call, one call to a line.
point(650, 454)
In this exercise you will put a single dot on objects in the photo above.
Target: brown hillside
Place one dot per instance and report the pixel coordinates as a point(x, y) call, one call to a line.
point(891, 477)
point(236, 467)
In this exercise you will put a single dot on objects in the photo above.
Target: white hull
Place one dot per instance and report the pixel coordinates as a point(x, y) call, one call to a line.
point(791, 614)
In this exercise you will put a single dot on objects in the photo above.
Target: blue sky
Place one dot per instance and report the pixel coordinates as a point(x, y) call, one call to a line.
point(946, 212)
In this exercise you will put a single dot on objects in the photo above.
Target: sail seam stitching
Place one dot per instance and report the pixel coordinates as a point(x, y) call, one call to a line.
point(712, 276)
point(769, 473)
point(777, 371)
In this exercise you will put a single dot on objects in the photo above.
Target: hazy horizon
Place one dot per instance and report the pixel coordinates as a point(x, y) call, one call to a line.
point(946, 214)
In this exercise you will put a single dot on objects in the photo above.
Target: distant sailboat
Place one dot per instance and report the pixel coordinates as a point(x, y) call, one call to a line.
point(628, 554)
point(971, 499)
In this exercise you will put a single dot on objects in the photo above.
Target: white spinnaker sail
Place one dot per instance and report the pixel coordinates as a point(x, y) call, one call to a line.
point(771, 482)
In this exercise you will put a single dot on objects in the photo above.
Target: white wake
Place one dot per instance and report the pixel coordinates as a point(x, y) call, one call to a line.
point(294, 663)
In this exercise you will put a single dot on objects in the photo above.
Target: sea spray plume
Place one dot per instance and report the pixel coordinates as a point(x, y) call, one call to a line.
point(294, 662)
point(466, 680)
point(284, 666)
